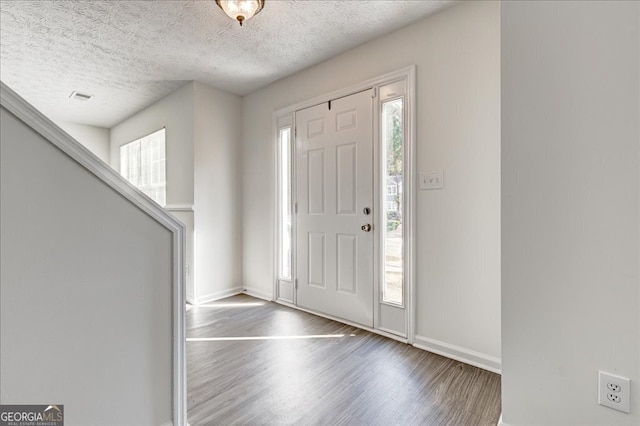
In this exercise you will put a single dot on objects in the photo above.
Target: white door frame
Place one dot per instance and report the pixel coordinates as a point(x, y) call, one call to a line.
point(286, 115)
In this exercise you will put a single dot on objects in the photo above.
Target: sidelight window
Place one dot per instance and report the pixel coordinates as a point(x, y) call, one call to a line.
point(392, 133)
point(284, 203)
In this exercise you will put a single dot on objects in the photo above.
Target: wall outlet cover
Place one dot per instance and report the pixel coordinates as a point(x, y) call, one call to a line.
point(614, 391)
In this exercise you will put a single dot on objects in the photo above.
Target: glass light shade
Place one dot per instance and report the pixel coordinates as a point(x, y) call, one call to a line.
point(241, 10)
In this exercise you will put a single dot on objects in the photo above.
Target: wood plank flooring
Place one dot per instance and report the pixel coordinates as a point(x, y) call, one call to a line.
point(340, 376)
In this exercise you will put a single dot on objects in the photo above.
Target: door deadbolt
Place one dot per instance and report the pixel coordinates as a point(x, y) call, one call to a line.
point(366, 227)
point(366, 211)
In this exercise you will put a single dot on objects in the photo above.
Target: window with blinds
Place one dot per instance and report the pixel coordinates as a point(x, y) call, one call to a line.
point(143, 163)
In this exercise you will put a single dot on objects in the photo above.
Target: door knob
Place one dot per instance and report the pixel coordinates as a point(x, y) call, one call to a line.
point(366, 227)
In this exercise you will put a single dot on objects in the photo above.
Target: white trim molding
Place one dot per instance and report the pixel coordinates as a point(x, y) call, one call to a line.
point(412, 147)
point(500, 422)
point(477, 359)
point(212, 297)
point(67, 144)
point(285, 117)
point(179, 207)
point(258, 294)
point(367, 84)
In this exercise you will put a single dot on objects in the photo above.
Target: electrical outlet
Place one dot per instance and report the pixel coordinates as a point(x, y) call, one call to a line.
point(614, 391)
point(614, 387)
point(614, 397)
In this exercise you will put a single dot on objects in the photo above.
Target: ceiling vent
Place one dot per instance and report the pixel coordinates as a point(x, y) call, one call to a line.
point(79, 96)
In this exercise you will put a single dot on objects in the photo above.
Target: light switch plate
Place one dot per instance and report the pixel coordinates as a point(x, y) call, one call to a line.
point(431, 180)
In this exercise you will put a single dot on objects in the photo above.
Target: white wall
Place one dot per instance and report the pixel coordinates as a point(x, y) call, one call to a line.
point(175, 113)
point(74, 329)
point(203, 128)
point(570, 209)
point(218, 218)
point(457, 53)
point(96, 139)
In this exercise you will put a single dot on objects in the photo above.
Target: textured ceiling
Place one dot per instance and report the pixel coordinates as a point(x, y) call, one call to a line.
point(128, 54)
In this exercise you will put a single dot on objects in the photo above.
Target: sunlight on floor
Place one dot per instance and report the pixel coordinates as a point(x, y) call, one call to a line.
point(312, 336)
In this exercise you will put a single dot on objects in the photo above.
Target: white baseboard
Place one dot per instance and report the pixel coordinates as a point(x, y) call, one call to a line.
point(477, 359)
point(217, 295)
point(500, 422)
point(259, 294)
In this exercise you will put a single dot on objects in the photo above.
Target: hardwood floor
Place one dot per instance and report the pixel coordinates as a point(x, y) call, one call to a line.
point(341, 375)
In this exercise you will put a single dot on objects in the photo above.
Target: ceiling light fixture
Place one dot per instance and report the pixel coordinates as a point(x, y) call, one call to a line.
point(241, 10)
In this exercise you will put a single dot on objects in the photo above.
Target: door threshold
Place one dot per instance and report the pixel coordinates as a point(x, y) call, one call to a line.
point(384, 333)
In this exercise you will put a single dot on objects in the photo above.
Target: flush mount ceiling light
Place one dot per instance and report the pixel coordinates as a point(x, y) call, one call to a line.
point(241, 10)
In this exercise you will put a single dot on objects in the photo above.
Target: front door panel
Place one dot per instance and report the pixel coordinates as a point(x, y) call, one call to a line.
point(334, 181)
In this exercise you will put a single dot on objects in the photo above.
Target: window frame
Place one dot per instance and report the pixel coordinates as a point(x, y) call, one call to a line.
point(282, 209)
point(283, 287)
point(138, 182)
point(399, 189)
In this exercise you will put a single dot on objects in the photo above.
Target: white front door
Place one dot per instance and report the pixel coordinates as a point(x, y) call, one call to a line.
point(334, 181)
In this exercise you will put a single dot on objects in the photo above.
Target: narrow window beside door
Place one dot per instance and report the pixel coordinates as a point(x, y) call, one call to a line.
point(143, 163)
point(284, 191)
point(392, 151)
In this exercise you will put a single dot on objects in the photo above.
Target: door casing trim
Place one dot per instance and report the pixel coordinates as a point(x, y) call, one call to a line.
point(287, 114)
